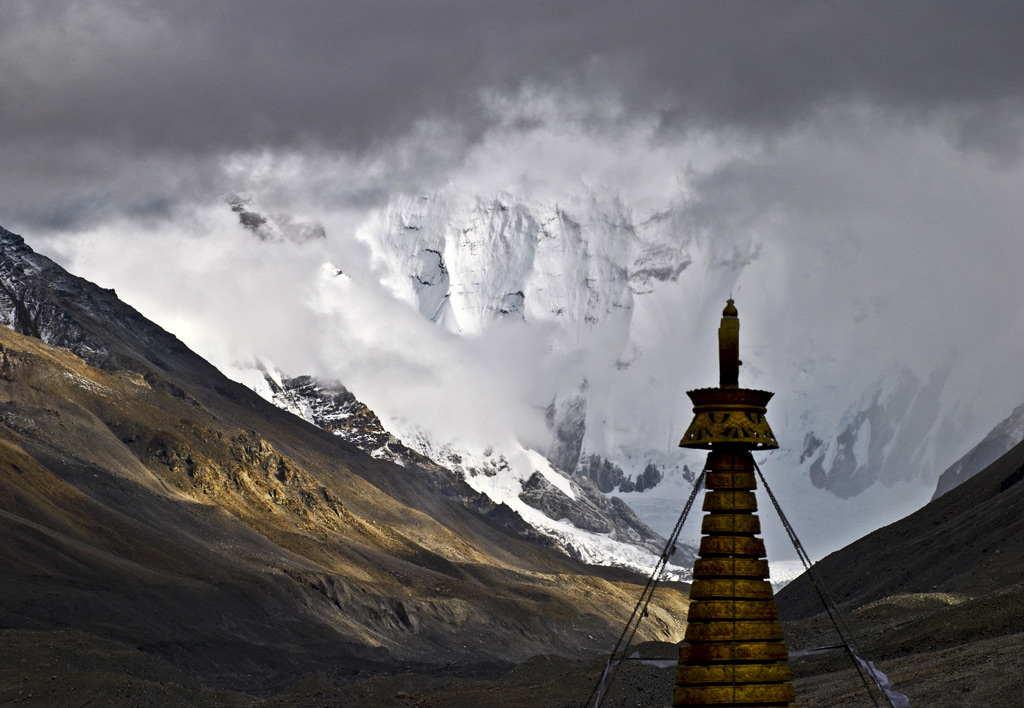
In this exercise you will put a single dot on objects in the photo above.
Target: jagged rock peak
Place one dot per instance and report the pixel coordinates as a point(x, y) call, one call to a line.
point(609, 477)
point(273, 226)
point(40, 299)
point(332, 407)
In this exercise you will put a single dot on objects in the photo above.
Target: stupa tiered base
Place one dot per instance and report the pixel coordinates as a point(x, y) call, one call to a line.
point(733, 653)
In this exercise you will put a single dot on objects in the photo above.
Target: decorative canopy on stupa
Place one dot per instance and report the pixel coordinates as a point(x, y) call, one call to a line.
point(729, 414)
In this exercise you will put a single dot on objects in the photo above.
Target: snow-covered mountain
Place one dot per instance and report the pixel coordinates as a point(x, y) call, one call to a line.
point(40, 299)
point(620, 310)
point(501, 335)
point(466, 266)
point(569, 271)
point(572, 512)
point(150, 502)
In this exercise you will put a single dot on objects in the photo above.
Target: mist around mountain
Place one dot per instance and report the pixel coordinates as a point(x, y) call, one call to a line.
point(562, 336)
point(171, 538)
point(572, 513)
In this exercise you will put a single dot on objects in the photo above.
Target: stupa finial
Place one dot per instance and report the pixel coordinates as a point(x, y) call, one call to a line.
point(729, 347)
point(729, 414)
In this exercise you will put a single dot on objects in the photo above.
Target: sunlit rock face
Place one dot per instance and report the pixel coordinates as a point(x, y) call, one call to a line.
point(335, 409)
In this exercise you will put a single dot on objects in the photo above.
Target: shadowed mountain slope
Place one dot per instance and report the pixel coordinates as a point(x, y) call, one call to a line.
point(935, 598)
point(1000, 439)
point(970, 542)
point(152, 509)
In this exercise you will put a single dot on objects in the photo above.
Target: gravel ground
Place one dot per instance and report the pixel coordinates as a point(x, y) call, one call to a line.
point(72, 670)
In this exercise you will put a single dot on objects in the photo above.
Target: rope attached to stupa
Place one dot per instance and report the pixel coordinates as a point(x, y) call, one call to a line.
point(618, 654)
point(864, 668)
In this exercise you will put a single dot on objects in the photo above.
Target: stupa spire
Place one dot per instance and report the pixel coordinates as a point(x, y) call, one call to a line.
point(729, 347)
point(733, 653)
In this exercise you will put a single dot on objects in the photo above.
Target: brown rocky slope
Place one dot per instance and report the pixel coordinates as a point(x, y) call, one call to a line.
point(169, 538)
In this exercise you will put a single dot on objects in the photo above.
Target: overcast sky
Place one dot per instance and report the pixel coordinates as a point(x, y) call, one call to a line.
point(887, 137)
point(135, 106)
point(871, 152)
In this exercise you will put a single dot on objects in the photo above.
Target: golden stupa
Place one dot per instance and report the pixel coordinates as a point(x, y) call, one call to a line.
point(733, 653)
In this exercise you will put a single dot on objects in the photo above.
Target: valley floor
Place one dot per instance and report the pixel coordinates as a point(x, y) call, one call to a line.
point(70, 670)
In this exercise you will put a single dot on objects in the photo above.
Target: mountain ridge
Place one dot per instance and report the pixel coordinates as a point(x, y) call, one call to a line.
point(157, 504)
point(999, 440)
point(602, 521)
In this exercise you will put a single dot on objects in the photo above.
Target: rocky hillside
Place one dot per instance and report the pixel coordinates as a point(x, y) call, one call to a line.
point(575, 513)
point(936, 596)
point(188, 537)
point(1003, 437)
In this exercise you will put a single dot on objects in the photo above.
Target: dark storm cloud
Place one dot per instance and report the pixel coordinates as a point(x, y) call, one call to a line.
point(200, 75)
point(92, 85)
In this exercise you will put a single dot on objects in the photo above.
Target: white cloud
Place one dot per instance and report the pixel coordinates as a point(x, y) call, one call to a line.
point(854, 245)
